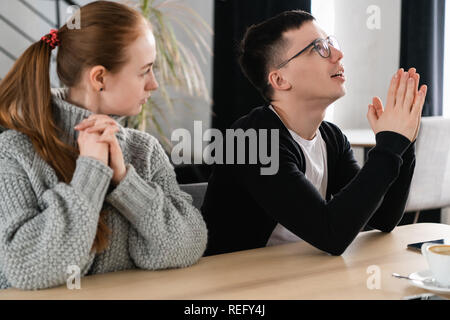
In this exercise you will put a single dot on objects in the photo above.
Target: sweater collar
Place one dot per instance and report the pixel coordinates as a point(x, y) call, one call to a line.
point(67, 115)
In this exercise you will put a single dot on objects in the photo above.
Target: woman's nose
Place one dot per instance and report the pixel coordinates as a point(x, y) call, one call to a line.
point(152, 84)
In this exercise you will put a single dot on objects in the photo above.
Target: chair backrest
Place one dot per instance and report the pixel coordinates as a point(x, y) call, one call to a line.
point(430, 186)
point(197, 191)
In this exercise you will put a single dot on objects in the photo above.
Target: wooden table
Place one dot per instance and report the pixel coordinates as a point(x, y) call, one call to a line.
point(291, 271)
point(364, 138)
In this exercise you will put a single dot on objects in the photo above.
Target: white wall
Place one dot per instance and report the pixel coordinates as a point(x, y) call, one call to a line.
point(324, 13)
point(371, 57)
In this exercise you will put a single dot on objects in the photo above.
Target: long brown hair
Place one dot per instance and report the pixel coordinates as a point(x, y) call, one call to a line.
point(106, 29)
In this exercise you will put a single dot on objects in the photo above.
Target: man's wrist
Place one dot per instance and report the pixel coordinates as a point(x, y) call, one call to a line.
point(392, 142)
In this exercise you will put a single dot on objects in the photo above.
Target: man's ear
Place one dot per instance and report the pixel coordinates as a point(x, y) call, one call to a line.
point(97, 77)
point(278, 82)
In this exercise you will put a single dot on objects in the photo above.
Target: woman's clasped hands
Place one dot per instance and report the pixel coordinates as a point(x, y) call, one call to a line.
point(97, 140)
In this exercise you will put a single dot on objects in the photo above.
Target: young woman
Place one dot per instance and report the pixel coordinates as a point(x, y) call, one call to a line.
point(76, 188)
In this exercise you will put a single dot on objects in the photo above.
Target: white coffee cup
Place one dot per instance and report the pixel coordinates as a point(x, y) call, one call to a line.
point(438, 257)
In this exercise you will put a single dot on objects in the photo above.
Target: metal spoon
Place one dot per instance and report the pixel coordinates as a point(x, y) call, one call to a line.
point(396, 275)
point(425, 282)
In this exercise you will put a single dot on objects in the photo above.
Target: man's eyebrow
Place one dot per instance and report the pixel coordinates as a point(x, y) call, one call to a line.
point(147, 65)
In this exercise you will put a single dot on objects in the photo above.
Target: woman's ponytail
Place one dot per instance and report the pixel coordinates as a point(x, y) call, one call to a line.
point(25, 106)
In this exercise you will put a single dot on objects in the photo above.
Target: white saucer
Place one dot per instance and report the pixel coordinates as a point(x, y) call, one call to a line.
point(429, 283)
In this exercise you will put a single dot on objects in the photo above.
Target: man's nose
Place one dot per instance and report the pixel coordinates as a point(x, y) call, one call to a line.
point(336, 54)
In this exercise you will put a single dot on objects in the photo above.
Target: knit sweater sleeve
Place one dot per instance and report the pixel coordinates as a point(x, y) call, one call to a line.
point(40, 238)
point(167, 230)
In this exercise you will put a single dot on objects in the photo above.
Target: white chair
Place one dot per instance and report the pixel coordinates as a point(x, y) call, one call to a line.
point(430, 186)
point(197, 191)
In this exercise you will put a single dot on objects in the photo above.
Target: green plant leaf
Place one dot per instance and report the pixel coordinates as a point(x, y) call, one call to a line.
point(176, 66)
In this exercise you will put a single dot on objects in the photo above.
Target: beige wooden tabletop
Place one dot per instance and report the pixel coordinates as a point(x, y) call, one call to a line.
point(360, 137)
point(291, 271)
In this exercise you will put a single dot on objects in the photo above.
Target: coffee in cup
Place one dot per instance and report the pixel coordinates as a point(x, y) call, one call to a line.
point(438, 257)
point(442, 249)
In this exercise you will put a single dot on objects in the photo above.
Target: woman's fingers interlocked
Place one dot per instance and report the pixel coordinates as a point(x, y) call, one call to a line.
point(107, 128)
point(96, 122)
point(116, 161)
point(100, 127)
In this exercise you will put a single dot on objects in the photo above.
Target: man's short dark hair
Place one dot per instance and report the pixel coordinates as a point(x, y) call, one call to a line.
point(263, 44)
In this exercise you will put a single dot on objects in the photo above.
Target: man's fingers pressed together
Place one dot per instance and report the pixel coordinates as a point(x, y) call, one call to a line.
point(392, 90)
point(400, 98)
point(409, 97)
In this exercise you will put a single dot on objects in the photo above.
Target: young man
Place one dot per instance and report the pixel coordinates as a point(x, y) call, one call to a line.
point(319, 193)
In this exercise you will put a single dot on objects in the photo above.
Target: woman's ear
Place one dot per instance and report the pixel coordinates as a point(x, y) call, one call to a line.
point(97, 77)
point(278, 82)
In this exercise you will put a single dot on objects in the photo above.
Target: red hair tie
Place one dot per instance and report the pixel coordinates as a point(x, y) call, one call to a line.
point(51, 38)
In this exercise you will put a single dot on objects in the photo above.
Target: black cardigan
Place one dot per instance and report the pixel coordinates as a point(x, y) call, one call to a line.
point(242, 207)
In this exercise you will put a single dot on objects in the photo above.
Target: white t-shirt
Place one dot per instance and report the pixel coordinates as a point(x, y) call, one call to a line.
point(315, 153)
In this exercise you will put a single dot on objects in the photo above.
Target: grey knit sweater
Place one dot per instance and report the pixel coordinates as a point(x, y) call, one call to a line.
point(47, 225)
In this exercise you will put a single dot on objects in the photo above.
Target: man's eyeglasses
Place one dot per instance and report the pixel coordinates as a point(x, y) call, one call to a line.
point(322, 46)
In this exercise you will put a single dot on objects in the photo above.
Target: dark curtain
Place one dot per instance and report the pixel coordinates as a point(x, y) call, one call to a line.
point(233, 95)
point(422, 47)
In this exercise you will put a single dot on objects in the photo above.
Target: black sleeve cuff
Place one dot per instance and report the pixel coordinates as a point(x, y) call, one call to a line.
point(392, 142)
point(411, 151)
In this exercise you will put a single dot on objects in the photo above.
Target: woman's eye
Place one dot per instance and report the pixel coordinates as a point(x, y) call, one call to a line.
point(146, 72)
